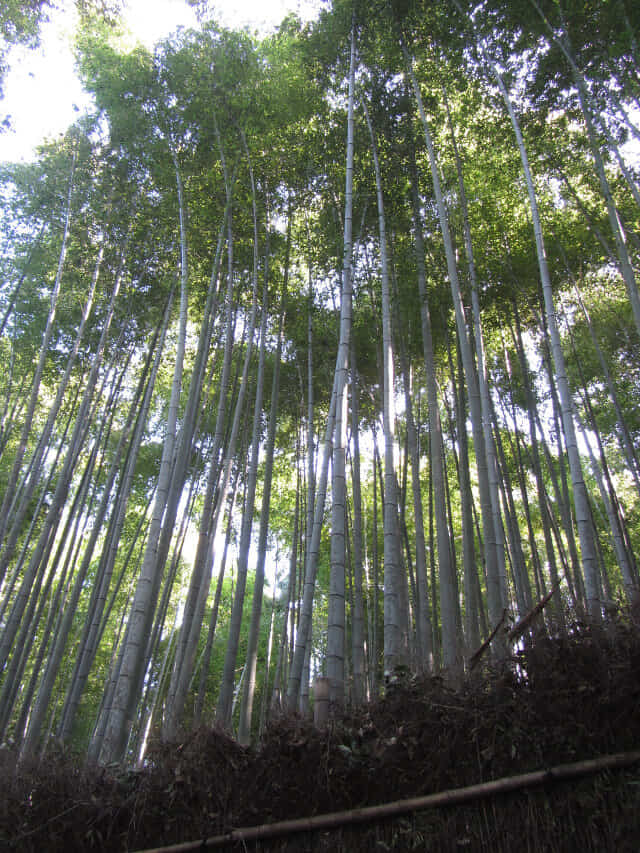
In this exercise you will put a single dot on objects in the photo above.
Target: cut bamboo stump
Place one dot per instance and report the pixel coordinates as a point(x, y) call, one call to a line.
point(320, 701)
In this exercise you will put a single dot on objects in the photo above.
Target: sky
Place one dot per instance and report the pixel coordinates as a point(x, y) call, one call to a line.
point(42, 93)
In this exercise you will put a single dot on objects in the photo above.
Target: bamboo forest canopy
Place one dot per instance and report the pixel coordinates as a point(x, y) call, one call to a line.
point(321, 357)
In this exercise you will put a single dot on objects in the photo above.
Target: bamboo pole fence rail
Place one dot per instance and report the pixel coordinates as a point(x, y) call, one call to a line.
point(450, 797)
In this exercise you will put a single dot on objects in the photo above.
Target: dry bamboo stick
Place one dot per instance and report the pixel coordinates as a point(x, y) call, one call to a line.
point(517, 629)
point(526, 620)
point(450, 797)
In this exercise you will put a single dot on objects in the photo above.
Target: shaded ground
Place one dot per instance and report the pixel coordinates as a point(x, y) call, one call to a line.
point(560, 701)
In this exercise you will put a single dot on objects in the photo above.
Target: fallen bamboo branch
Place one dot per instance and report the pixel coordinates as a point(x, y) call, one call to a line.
point(520, 627)
point(451, 797)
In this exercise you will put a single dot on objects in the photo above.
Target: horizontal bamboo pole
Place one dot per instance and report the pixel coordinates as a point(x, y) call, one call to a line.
point(451, 797)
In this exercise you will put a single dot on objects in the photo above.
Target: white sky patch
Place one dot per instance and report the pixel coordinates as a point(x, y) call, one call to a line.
point(151, 20)
point(631, 149)
point(43, 95)
point(262, 15)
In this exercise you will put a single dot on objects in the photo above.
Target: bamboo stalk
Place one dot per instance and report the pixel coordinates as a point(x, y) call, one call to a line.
point(450, 797)
point(475, 657)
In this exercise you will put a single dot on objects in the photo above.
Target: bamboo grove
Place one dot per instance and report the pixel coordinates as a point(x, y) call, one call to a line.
point(321, 356)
